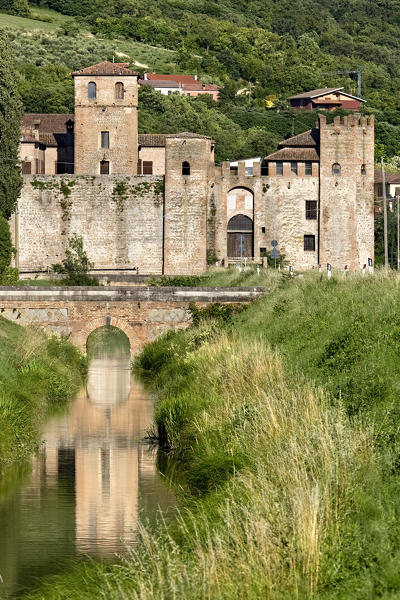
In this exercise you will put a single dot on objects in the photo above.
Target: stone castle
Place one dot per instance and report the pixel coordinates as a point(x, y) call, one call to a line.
point(159, 204)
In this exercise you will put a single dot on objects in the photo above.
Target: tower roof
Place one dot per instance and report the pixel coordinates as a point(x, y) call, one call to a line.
point(106, 68)
point(186, 135)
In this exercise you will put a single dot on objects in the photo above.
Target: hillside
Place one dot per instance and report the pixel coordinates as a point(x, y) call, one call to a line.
point(271, 49)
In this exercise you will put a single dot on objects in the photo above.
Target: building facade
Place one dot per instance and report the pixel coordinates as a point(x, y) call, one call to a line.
point(325, 99)
point(162, 206)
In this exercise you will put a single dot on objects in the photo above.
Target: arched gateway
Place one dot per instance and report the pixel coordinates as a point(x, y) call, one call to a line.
point(240, 237)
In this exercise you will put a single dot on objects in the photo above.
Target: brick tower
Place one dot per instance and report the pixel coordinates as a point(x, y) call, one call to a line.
point(189, 160)
point(106, 121)
point(346, 191)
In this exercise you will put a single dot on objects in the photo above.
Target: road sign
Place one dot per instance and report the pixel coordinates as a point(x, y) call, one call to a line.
point(274, 243)
point(274, 253)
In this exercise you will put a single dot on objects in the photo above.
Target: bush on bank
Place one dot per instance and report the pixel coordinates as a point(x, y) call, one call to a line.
point(37, 373)
point(283, 427)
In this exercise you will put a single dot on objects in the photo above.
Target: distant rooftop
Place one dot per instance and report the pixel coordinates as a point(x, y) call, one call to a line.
point(106, 68)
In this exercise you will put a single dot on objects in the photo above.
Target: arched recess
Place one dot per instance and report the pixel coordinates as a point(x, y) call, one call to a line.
point(240, 199)
point(240, 234)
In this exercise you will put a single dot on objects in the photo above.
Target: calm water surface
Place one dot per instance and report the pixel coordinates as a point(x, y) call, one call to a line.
point(93, 479)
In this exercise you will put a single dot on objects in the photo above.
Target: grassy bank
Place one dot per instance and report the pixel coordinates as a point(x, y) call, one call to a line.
point(37, 374)
point(283, 425)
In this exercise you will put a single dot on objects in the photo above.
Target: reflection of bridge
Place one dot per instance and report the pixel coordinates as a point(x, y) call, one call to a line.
point(142, 313)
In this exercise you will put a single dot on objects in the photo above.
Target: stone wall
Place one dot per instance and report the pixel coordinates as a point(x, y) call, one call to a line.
point(106, 113)
point(120, 219)
point(347, 199)
point(143, 313)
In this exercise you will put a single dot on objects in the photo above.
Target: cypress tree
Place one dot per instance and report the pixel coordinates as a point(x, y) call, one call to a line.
point(10, 130)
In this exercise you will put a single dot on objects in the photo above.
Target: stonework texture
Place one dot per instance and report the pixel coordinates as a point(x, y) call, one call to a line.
point(106, 113)
point(170, 224)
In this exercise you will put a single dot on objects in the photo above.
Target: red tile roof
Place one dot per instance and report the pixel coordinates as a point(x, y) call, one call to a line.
point(289, 154)
point(106, 68)
point(154, 140)
point(187, 135)
point(177, 78)
point(315, 93)
point(50, 125)
point(308, 139)
point(389, 177)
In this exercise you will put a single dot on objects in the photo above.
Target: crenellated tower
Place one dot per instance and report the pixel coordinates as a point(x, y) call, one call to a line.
point(346, 211)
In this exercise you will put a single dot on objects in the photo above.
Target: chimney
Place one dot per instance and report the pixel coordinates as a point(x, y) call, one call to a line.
point(195, 77)
point(145, 76)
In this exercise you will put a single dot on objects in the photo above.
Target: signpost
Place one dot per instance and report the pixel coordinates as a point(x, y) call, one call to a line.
point(274, 252)
point(329, 270)
point(291, 271)
point(370, 266)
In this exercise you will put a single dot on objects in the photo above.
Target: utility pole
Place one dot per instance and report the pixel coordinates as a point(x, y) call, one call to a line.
point(354, 72)
point(385, 238)
point(398, 233)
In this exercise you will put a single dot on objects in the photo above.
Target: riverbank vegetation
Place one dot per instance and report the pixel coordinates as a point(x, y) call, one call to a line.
point(282, 423)
point(37, 375)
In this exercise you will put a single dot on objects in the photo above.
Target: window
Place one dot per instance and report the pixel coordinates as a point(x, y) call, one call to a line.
point(234, 170)
point(311, 209)
point(185, 168)
point(147, 167)
point(91, 90)
point(335, 169)
point(293, 167)
point(263, 252)
point(264, 168)
point(119, 91)
point(104, 167)
point(105, 139)
point(262, 229)
point(26, 167)
point(309, 243)
point(279, 167)
point(249, 171)
point(363, 170)
point(308, 167)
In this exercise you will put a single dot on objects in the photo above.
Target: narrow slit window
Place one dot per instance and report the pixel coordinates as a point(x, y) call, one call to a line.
point(105, 139)
point(336, 169)
point(293, 167)
point(308, 167)
point(185, 168)
point(311, 209)
point(264, 168)
point(92, 90)
point(363, 170)
point(279, 167)
point(309, 243)
point(119, 91)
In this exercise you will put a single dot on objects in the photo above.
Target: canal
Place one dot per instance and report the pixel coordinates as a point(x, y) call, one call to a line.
point(93, 479)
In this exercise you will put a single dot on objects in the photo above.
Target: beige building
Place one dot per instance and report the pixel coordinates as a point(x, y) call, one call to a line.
point(159, 204)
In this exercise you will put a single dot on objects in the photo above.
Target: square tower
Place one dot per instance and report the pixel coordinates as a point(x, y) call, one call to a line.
point(106, 120)
point(347, 191)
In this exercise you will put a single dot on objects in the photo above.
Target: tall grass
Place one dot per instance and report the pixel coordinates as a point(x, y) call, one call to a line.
point(37, 373)
point(281, 428)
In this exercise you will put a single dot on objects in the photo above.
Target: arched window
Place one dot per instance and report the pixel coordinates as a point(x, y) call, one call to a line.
point(363, 170)
point(185, 168)
point(119, 91)
point(91, 90)
point(335, 169)
point(240, 223)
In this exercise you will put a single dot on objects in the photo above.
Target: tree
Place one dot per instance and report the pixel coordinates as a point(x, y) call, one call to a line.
point(8, 275)
point(10, 122)
point(76, 265)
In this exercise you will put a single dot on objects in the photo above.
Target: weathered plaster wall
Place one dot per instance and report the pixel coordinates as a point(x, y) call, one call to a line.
point(120, 219)
point(156, 156)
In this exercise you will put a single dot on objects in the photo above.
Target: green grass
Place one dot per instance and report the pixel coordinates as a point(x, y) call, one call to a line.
point(34, 24)
point(37, 375)
point(281, 425)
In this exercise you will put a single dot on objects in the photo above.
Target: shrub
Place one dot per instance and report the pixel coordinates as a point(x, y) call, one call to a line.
point(76, 265)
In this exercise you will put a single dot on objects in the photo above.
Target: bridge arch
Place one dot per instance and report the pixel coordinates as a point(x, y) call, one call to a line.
point(115, 321)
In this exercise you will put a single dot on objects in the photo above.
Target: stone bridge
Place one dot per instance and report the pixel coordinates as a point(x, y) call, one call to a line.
point(143, 313)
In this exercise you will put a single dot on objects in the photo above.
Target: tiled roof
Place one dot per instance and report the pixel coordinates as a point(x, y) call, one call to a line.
point(315, 93)
point(308, 139)
point(389, 177)
point(106, 68)
point(154, 140)
point(189, 87)
point(289, 154)
point(25, 137)
point(52, 127)
point(187, 135)
point(177, 78)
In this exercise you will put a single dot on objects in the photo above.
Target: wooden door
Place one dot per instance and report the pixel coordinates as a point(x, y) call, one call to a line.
point(240, 244)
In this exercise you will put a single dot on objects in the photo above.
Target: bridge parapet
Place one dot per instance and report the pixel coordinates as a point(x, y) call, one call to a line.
point(142, 312)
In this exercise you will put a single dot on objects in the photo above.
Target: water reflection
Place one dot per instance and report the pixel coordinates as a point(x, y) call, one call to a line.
point(88, 487)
